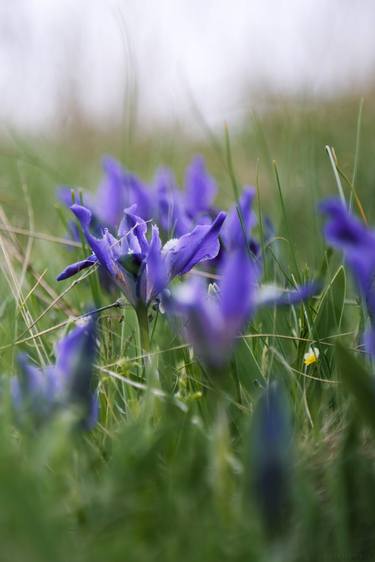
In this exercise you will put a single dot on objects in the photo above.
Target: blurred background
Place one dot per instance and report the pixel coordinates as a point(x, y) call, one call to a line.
point(154, 82)
point(170, 62)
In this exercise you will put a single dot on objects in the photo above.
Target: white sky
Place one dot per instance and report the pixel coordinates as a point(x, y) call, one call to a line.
point(213, 51)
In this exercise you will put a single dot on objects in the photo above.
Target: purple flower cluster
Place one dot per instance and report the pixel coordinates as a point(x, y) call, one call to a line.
point(141, 238)
point(175, 211)
point(128, 228)
point(142, 266)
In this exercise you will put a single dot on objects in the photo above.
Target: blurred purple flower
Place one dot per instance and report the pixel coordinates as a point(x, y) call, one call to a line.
point(143, 268)
point(271, 473)
point(118, 190)
point(200, 188)
point(40, 393)
point(171, 214)
point(213, 319)
point(344, 232)
point(176, 211)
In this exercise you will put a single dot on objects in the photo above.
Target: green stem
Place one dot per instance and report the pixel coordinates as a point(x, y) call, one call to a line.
point(144, 336)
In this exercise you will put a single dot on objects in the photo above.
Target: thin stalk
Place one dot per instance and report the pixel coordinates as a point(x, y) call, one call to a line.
point(285, 217)
point(333, 160)
point(144, 335)
point(357, 145)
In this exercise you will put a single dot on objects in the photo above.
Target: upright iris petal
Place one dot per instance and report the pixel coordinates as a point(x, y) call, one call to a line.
point(171, 212)
point(157, 273)
point(120, 189)
point(200, 188)
point(75, 355)
point(238, 288)
point(212, 321)
point(112, 196)
point(241, 220)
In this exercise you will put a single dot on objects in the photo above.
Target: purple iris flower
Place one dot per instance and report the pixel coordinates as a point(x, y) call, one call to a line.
point(140, 267)
point(212, 319)
point(40, 393)
point(356, 241)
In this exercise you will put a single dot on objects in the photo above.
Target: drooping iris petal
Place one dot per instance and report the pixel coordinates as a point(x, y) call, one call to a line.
point(100, 246)
point(356, 241)
point(200, 188)
point(241, 219)
point(76, 267)
point(199, 245)
point(272, 295)
point(343, 230)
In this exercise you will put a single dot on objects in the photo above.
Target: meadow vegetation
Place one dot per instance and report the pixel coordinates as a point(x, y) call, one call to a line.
point(169, 428)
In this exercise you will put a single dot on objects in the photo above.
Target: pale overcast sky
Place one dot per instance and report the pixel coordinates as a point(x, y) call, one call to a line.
point(172, 51)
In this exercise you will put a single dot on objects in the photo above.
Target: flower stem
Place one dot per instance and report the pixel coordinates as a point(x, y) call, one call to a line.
point(144, 336)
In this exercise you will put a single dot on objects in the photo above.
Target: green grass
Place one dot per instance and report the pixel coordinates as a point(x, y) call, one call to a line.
point(163, 477)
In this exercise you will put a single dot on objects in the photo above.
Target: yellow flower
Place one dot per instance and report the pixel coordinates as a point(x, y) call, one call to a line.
point(311, 356)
